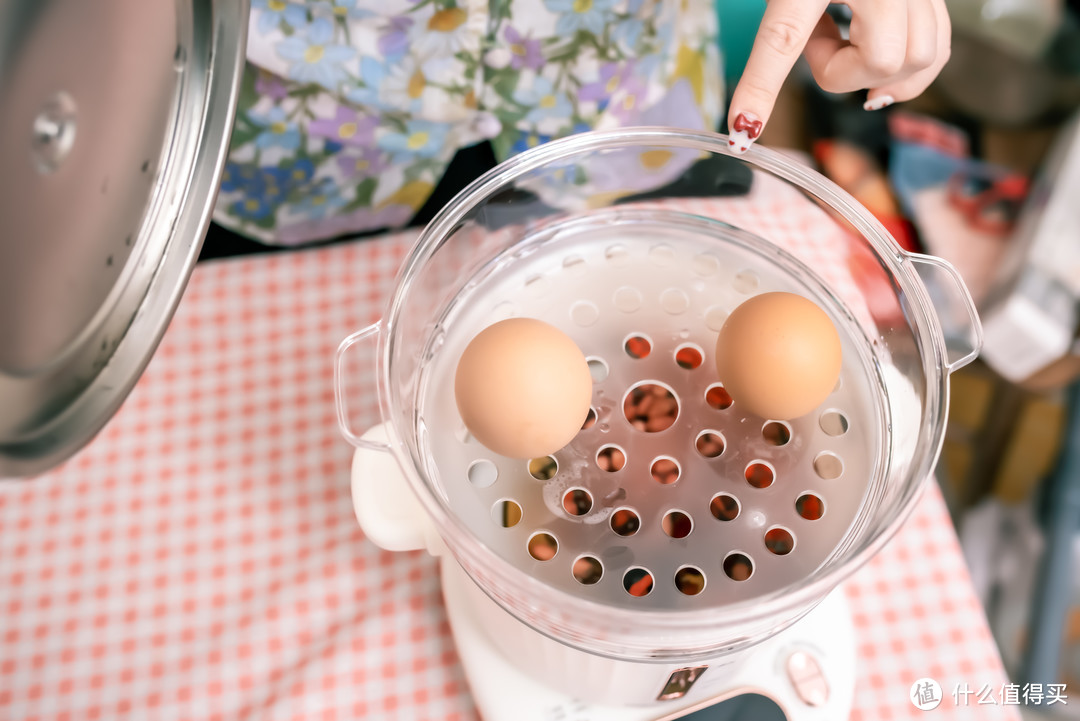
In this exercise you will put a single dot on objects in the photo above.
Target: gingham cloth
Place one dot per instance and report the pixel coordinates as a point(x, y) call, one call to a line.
point(200, 559)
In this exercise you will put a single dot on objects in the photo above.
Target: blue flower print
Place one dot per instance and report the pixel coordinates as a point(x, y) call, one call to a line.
point(274, 11)
point(277, 130)
point(545, 101)
point(237, 176)
point(271, 185)
point(252, 208)
point(421, 137)
point(628, 32)
point(527, 141)
point(665, 33)
point(588, 15)
point(314, 58)
point(372, 74)
point(324, 197)
point(258, 199)
point(354, 108)
point(344, 9)
point(264, 189)
point(647, 65)
point(298, 172)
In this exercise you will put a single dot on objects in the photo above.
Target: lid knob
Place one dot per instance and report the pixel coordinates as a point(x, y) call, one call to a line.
point(54, 132)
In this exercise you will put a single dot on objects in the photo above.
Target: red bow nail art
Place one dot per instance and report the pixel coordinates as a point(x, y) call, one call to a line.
point(751, 127)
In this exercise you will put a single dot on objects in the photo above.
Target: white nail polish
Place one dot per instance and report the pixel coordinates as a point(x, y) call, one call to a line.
point(879, 102)
point(740, 141)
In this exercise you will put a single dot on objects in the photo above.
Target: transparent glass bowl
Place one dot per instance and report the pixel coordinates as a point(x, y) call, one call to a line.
point(914, 320)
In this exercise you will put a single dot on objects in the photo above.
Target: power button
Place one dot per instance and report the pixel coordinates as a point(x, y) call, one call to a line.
point(806, 678)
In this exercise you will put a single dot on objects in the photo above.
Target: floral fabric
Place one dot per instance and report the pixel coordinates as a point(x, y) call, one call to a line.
point(350, 110)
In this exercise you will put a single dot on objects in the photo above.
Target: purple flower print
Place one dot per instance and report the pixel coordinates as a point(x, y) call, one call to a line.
point(524, 52)
point(677, 109)
point(626, 105)
point(632, 170)
point(368, 163)
point(269, 85)
point(394, 40)
point(612, 76)
point(346, 127)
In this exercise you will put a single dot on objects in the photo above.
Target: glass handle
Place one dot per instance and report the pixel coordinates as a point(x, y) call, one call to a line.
point(369, 335)
point(956, 310)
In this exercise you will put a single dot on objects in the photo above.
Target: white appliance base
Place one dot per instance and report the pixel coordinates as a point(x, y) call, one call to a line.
point(808, 670)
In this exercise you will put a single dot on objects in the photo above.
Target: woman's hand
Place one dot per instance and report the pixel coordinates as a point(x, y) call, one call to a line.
point(896, 48)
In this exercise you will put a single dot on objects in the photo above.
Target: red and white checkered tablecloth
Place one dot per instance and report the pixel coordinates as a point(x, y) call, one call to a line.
point(200, 559)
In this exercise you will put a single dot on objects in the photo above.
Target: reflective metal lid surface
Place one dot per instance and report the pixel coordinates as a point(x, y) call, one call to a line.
point(115, 118)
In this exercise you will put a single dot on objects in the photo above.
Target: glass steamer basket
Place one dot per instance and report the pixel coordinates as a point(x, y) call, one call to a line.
point(693, 545)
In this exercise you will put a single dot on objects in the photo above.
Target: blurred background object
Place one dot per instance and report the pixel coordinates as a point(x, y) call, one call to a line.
point(1022, 27)
point(984, 170)
point(1013, 61)
point(1030, 313)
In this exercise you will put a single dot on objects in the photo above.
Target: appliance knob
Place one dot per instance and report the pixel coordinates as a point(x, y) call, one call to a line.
point(806, 678)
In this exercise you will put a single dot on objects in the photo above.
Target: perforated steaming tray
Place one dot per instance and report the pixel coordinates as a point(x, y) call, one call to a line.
point(693, 505)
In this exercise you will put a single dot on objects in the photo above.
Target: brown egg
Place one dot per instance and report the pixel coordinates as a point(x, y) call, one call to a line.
point(778, 355)
point(523, 388)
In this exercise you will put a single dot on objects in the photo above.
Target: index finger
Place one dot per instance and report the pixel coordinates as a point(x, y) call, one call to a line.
point(781, 37)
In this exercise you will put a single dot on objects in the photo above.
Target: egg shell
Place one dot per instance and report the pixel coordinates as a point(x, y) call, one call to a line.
point(523, 388)
point(778, 355)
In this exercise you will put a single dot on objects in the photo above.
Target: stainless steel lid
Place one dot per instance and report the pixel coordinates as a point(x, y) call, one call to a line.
point(115, 118)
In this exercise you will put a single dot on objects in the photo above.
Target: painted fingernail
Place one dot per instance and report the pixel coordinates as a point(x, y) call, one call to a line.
point(744, 131)
point(881, 101)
